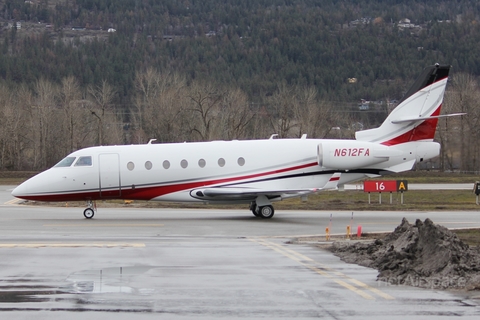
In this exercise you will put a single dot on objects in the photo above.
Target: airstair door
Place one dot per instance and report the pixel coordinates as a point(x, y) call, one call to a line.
point(109, 171)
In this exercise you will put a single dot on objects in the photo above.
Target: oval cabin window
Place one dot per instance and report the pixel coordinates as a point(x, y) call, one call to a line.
point(221, 162)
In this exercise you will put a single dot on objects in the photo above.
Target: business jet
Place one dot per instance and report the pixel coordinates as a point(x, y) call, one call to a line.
point(254, 172)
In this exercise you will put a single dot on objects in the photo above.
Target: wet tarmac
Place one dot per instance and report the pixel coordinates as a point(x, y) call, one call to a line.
point(131, 263)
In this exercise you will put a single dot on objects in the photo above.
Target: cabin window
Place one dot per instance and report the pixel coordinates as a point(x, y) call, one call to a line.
point(148, 165)
point(84, 162)
point(241, 161)
point(221, 162)
point(202, 163)
point(66, 162)
point(130, 166)
point(166, 164)
point(184, 163)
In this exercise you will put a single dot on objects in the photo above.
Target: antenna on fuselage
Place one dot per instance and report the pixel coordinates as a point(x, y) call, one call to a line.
point(273, 136)
point(151, 140)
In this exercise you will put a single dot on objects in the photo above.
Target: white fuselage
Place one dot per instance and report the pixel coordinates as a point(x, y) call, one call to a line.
point(168, 172)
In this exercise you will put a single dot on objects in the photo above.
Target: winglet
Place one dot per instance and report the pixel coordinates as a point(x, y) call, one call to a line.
point(333, 181)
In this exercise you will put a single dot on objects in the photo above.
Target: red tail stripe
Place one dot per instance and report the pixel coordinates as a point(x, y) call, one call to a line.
point(424, 131)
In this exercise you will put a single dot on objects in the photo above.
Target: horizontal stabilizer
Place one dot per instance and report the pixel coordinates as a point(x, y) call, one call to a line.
point(427, 118)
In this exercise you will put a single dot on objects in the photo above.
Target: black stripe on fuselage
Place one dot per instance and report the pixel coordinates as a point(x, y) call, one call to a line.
point(315, 173)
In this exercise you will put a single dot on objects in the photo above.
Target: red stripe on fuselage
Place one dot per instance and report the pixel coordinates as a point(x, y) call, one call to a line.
point(148, 193)
point(424, 131)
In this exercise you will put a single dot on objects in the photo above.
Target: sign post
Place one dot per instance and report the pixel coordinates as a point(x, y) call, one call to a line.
point(402, 186)
point(476, 190)
point(387, 186)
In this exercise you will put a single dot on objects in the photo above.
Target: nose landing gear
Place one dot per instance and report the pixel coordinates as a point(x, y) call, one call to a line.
point(90, 211)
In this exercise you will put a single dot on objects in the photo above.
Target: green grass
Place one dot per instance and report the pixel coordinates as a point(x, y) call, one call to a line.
point(469, 236)
point(432, 177)
point(412, 200)
point(422, 200)
point(15, 177)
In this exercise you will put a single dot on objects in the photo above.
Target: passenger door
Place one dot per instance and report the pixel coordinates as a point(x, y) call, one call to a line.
point(109, 171)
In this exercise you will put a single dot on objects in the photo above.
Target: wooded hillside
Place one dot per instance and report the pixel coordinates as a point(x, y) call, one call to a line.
point(214, 69)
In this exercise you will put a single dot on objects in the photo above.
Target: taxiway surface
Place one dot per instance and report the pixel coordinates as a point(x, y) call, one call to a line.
point(188, 263)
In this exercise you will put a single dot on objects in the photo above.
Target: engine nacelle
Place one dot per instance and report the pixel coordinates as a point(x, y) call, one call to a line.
point(348, 154)
point(427, 150)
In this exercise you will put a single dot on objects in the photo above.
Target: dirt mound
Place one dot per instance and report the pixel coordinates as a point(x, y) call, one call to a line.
point(422, 255)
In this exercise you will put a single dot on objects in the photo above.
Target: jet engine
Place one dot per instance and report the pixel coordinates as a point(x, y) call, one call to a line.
point(344, 155)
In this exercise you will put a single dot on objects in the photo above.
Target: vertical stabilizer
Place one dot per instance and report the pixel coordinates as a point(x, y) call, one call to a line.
point(416, 116)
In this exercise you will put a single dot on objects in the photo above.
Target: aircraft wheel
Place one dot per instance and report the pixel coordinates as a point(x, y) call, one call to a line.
point(266, 212)
point(89, 213)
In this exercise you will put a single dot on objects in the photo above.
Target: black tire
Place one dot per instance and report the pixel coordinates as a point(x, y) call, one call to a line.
point(254, 209)
point(266, 212)
point(88, 213)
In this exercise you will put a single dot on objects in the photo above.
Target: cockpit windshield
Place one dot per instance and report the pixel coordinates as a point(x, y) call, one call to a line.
point(84, 162)
point(66, 162)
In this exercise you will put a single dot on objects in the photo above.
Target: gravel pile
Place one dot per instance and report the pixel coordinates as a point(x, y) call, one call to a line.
point(422, 254)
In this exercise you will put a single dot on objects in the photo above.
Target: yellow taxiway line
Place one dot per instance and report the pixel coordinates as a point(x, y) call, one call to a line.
point(355, 286)
point(13, 202)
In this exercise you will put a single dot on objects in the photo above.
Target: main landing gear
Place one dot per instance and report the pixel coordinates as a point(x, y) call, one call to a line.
point(90, 211)
point(265, 212)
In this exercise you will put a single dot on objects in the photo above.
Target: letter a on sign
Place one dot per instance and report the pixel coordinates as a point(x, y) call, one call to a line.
point(402, 185)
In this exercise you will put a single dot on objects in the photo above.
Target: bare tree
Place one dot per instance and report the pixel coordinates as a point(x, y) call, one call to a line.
point(295, 111)
point(235, 115)
point(159, 103)
point(281, 109)
point(13, 140)
point(44, 122)
point(316, 118)
point(69, 95)
point(102, 96)
point(204, 108)
point(448, 134)
point(463, 96)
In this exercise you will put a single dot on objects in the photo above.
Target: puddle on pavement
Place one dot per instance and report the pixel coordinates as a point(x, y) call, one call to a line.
point(26, 295)
point(107, 280)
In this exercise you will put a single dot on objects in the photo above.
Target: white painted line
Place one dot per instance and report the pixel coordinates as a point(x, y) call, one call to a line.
point(71, 245)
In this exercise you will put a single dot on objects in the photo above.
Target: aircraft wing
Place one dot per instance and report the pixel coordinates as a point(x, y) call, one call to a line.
point(244, 194)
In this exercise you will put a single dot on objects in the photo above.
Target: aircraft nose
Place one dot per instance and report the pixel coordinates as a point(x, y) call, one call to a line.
point(20, 191)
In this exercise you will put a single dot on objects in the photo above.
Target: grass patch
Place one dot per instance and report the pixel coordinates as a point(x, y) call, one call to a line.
point(469, 236)
point(15, 177)
point(421, 200)
point(432, 177)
